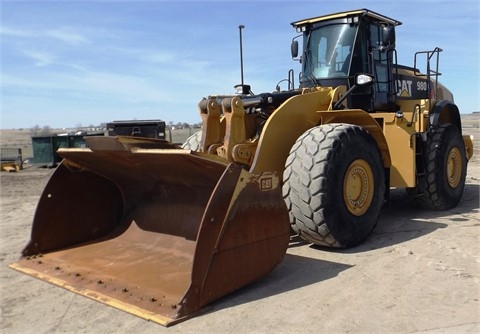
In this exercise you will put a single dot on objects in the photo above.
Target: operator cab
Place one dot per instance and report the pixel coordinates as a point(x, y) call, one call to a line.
point(337, 47)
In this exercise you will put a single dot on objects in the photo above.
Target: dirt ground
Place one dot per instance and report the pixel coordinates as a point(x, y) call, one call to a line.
point(418, 273)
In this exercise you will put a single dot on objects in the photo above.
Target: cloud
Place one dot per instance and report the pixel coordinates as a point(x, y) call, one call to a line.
point(45, 47)
point(159, 57)
point(41, 58)
point(6, 31)
point(90, 86)
point(122, 87)
point(66, 35)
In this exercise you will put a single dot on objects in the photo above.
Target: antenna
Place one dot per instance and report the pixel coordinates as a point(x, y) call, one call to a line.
point(240, 27)
point(242, 88)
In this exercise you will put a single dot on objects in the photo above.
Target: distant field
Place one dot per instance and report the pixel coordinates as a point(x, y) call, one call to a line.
point(471, 120)
point(179, 136)
point(23, 138)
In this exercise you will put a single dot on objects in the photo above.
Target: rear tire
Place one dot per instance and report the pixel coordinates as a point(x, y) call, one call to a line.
point(193, 142)
point(334, 184)
point(446, 169)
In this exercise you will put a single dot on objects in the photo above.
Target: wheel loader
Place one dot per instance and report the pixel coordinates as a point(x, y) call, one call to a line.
point(161, 231)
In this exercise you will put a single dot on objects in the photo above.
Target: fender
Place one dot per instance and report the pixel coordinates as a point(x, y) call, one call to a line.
point(302, 112)
point(289, 121)
point(444, 111)
point(365, 120)
point(447, 112)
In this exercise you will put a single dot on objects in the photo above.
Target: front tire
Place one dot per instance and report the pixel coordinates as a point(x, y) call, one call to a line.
point(334, 185)
point(446, 169)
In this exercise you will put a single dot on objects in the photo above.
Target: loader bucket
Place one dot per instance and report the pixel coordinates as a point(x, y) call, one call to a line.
point(152, 229)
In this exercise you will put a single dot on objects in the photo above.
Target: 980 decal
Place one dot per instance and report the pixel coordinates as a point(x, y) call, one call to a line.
point(412, 88)
point(422, 85)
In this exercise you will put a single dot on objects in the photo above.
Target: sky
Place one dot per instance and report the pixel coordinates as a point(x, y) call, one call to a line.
point(71, 63)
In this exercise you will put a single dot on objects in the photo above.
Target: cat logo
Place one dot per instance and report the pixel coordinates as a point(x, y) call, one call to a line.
point(404, 88)
point(266, 183)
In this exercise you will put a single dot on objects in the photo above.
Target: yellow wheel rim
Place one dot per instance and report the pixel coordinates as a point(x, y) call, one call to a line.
point(358, 187)
point(454, 167)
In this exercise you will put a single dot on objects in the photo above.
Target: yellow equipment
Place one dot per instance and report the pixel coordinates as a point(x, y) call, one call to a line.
point(9, 166)
point(161, 231)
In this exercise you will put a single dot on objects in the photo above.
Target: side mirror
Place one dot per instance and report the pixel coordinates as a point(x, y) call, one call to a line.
point(389, 36)
point(294, 49)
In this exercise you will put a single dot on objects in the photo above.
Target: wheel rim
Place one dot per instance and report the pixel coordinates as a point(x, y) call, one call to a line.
point(358, 187)
point(454, 167)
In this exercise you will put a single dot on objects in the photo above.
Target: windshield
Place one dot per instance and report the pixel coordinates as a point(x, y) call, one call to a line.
point(327, 51)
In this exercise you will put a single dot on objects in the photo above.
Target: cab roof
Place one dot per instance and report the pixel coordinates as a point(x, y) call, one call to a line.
point(359, 12)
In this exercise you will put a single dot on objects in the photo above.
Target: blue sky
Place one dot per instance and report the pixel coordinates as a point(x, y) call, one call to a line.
point(65, 63)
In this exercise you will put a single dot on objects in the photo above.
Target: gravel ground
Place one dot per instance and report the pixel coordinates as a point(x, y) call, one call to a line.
point(418, 273)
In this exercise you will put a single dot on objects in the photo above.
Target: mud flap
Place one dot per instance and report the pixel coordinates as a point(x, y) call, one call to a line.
point(154, 230)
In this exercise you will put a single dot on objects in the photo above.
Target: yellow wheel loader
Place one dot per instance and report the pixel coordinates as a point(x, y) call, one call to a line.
point(161, 231)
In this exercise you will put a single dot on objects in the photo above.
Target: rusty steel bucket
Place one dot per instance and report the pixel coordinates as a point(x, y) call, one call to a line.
point(154, 230)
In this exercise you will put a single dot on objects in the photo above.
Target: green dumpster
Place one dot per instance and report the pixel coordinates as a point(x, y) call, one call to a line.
point(45, 147)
